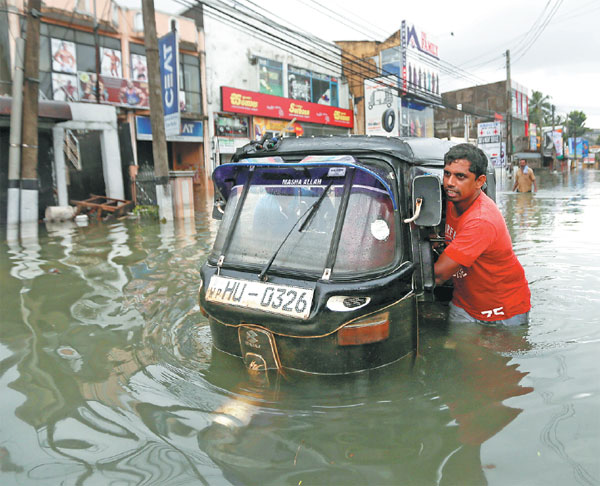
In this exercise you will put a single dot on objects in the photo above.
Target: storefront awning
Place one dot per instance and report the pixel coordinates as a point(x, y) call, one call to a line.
point(54, 110)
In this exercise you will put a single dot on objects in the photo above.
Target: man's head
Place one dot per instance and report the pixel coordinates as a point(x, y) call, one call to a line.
point(522, 163)
point(469, 152)
point(464, 173)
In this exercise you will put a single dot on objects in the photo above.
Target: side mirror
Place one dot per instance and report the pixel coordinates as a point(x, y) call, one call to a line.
point(218, 209)
point(427, 201)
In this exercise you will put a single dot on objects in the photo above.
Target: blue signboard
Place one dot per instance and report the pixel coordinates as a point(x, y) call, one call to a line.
point(169, 63)
point(189, 130)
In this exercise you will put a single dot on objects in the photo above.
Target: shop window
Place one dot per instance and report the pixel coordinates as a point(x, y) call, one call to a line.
point(299, 84)
point(324, 90)
point(270, 77)
point(227, 125)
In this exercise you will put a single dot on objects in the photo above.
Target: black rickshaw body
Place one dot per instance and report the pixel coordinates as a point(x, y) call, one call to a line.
point(319, 263)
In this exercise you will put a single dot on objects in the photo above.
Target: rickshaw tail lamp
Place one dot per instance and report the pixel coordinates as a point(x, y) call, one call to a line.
point(370, 330)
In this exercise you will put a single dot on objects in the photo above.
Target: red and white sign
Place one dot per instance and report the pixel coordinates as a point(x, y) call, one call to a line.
point(260, 104)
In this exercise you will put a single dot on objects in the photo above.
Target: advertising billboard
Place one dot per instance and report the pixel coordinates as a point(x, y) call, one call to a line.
point(110, 62)
point(382, 106)
point(114, 91)
point(235, 100)
point(63, 56)
point(168, 54)
point(420, 72)
point(64, 87)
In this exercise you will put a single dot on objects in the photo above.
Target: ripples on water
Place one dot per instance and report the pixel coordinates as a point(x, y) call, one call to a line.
point(108, 375)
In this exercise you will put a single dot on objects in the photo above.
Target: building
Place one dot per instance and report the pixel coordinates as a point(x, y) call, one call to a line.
point(464, 109)
point(395, 83)
point(262, 81)
point(99, 76)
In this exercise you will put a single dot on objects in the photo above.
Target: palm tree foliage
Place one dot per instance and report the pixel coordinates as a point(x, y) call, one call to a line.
point(540, 109)
point(576, 123)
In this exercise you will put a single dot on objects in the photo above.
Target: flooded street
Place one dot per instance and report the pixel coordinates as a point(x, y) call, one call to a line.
point(108, 376)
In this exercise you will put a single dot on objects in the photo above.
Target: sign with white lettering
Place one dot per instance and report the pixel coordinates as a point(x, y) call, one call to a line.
point(189, 131)
point(489, 139)
point(169, 63)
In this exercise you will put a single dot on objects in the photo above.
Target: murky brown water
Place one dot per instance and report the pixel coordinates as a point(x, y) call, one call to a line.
point(107, 375)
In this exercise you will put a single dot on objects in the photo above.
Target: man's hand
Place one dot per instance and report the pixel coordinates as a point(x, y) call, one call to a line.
point(444, 268)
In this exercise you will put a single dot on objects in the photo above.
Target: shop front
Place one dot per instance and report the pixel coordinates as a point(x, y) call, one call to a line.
point(248, 115)
point(185, 151)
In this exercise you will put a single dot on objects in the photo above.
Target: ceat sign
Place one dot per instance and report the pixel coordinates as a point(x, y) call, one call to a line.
point(259, 104)
point(169, 62)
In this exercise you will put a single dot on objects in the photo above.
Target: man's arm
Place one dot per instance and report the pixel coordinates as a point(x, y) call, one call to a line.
point(534, 184)
point(444, 268)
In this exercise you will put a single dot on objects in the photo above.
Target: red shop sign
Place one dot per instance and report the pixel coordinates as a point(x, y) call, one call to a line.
point(260, 104)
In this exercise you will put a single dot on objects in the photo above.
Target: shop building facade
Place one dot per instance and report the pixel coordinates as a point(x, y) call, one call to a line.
point(256, 87)
point(89, 70)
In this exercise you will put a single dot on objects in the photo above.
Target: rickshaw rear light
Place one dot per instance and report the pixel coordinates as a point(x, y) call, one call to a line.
point(370, 330)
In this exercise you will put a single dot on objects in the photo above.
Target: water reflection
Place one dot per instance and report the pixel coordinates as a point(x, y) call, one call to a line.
point(397, 425)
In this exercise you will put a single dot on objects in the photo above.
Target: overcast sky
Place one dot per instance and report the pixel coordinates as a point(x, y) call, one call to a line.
point(554, 44)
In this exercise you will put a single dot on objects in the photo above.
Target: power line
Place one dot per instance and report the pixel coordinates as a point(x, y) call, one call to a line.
point(224, 16)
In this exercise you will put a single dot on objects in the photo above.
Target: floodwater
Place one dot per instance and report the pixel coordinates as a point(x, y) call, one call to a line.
point(108, 377)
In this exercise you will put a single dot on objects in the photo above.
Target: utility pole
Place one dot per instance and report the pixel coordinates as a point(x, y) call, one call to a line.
point(509, 134)
point(29, 155)
point(97, 52)
point(553, 146)
point(157, 118)
point(14, 151)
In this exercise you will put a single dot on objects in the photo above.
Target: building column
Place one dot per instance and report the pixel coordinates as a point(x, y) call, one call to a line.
point(111, 163)
point(58, 137)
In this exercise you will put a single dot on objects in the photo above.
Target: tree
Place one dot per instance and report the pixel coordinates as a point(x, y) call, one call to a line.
point(540, 109)
point(576, 123)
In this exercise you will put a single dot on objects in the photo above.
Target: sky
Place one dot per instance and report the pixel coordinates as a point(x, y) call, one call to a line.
point(554, 44)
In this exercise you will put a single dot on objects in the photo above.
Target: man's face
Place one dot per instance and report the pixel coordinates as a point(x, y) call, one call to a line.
point(522, 163)
point(460, 183)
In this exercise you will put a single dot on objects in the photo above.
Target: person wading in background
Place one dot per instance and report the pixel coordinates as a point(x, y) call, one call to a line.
point(524, 178)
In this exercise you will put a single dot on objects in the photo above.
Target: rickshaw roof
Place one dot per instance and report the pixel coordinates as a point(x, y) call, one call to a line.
point(317, 167)
point(411, 150)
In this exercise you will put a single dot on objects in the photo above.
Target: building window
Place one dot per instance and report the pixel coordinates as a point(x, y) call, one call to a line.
point(313, 87)
point(189, 79)
point(138, 22)
point(299, 84)
point(270, 77)
point(82, 6)
point(324, 90)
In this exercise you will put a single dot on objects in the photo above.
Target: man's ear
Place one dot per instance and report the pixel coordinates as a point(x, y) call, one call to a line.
point(480, 181)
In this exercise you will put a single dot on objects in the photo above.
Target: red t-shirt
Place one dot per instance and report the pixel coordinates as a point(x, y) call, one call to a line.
point(491, 284)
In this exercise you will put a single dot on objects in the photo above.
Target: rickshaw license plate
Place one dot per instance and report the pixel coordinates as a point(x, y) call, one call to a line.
point(268, 297)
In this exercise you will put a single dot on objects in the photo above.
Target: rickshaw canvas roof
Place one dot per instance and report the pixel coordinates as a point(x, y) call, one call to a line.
point(318, 167)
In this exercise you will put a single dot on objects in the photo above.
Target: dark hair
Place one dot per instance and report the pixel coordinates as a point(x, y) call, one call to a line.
point(475, 155)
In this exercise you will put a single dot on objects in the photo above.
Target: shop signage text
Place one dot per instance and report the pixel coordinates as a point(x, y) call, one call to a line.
point(260, 104)
point(189, 130)
point(169, 62)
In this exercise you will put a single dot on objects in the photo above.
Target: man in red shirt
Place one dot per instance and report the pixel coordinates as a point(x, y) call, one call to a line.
point(489, 282)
